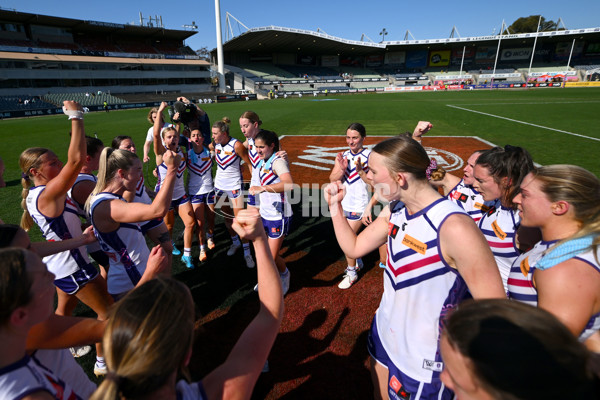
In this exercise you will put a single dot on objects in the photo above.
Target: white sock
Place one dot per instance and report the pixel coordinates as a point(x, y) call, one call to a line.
point(100, 360)
point(187, 252)
point(351, 270)
point(202, 247)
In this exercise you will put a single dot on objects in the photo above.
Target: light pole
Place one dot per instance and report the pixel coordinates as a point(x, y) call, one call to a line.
point(382, 34)
point(220, 67)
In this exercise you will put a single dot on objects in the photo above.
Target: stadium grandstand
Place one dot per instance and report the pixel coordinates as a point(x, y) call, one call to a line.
point(275, 59)
point(44, 57)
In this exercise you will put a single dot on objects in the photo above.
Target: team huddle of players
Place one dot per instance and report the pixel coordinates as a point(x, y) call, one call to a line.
point(507, 229)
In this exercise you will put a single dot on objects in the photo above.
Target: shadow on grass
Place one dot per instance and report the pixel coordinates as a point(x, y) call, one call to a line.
point(305, 364)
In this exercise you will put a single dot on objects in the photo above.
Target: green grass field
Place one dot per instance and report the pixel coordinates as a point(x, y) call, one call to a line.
point(547, 122)
point(544, 121)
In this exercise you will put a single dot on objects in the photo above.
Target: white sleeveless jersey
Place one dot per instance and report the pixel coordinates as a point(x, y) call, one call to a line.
point(357, 194)
point(140, 193)
point(65, 226)
point(200, 172)
point(419, 288)
point(179, 189)
point(273, 206)
point(26, 376)
point(254, 160)
point(64, 367)
point(499, 226)
point(520, 280)
point(92, 247)
point(126, 249)
point(81, 207)
point(469, 200)
point(229, 175)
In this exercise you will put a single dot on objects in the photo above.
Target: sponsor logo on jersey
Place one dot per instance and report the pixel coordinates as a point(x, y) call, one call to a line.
point(393, 230)
point(463, 198)
point(436, 366)
point(498, 231)
point(525, 266)
point(458, 196)
point(398, 389)
point(414, 244)
point(481, 207)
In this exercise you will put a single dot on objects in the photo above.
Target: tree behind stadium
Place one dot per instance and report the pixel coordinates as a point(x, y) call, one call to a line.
point(529, 24)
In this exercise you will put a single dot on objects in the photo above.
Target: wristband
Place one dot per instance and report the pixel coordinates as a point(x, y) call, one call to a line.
point(73, 114)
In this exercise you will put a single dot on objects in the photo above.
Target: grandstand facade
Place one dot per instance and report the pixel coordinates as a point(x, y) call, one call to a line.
point(43, 54)
point(295, 61)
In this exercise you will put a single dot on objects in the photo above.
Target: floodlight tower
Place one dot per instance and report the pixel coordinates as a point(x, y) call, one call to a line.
point(220, 67)
point(383, 33)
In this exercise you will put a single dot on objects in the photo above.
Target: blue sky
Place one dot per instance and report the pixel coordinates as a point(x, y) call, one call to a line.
point(426, 19)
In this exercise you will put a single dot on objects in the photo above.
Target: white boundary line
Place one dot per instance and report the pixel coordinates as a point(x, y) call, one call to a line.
point(533, 103)
point(524, 123)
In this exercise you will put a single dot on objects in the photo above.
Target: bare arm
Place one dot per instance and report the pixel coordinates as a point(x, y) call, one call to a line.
point(159, 149)
point(107, 213)
point(146, 151)
point(447, 183)
point(241, 151)
point(52, 200)
point(59, 332)
point(236, 377)
point(129, 196)
point(157, 263)
point(362, 173)
point(368, 240)
point(286, 183)
point(367, 217)
point(283, 154)
point(46, 248)
point(337, 172)
point(476, 264)
point(422, 128)
point(571, 291)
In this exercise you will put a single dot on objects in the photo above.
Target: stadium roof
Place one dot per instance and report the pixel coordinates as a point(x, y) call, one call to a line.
point(89, 26)
point(271, 39)
point(278, 39)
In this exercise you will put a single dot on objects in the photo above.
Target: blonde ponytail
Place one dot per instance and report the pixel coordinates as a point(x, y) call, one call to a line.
point(29, 159)
point(111, 161)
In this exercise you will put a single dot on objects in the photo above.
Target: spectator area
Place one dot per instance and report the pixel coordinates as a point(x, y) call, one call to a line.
point(83, 99)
